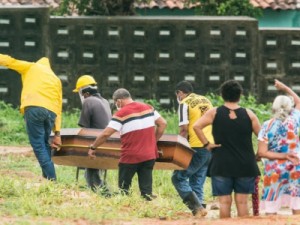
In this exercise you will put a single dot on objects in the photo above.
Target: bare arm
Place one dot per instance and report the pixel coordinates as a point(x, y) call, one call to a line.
point(255, 122)
point(202, 122)
point(161, 125)
point(56, 142)
point(106, 133)
point(282, 87)
point(264, 153)
point(183, 131)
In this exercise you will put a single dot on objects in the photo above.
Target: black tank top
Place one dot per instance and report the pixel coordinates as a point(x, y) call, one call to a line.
point(235, 158)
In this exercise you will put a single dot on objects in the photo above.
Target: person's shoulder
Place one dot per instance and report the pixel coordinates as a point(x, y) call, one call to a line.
point(267, 123)
point(199, 96)
point(93, 98)
point(101, 99)
point(213, 110)
point(141, 105)
point(88, 100)
point(296, 112)
point(247, 110)
point(203, 99)
point(250, 112)
point(91, 101)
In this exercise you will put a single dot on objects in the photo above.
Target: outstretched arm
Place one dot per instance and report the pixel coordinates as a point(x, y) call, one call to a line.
point(106, 133)
point(18, 65)
point(282, 87)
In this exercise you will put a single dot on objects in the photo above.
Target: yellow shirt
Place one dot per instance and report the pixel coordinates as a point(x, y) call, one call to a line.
point(41, 87)
point(190, 110)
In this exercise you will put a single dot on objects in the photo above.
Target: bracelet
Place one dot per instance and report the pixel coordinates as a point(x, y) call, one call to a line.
point(204, 146)
point(57, 133)
point(92, 147)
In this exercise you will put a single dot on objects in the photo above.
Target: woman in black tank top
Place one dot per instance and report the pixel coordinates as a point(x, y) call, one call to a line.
point(233, 166)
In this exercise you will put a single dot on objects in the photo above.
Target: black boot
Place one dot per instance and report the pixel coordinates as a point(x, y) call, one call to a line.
point(193, 203)
point(95, 182)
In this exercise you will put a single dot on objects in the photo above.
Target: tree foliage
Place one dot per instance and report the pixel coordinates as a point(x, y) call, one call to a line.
point(226, 8)
point(96, 7)
point(126, 7)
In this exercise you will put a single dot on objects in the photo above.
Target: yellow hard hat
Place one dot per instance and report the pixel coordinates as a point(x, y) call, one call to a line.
point(83, 81)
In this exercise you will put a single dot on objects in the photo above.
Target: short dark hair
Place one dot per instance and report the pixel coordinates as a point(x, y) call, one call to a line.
point(185, 86)
point(92, 89)
point(231, 91)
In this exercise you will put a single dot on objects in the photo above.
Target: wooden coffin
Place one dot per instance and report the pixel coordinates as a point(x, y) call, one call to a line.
point(174, 150)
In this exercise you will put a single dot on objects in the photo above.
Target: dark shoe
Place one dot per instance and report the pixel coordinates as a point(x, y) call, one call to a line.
point(93, 179)
point(149, 197)
point(193, 203)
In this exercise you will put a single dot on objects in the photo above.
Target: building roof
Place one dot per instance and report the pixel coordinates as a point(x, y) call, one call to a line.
point(276, 4)
point(171, 4)
point(180, 4)
point(50, 3)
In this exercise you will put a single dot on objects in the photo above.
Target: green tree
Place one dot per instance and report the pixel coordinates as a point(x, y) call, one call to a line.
point(96, 7)
point(226, 8)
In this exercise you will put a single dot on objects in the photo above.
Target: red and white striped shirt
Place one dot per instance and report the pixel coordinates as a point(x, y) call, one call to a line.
point(136, 124)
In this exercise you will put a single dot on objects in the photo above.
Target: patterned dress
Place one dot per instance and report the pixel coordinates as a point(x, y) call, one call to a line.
point(281, 185)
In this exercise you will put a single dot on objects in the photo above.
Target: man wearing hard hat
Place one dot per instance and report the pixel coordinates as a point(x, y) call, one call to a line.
point(95, 113)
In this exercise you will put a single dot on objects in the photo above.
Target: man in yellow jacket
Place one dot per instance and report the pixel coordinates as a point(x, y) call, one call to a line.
point(41, 104)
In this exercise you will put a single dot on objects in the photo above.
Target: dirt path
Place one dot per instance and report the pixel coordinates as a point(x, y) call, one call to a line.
point(283, 218)
point(187, 220)
point(14, 150)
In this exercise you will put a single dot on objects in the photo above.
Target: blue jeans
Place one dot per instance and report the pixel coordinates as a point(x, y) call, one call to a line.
point(39, 123)
point(193, 178)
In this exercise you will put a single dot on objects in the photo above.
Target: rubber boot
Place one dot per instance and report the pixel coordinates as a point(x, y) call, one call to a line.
point(193, 203)
point(95, 182)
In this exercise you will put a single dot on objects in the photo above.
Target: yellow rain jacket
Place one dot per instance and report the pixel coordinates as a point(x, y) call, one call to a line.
point(41, 87)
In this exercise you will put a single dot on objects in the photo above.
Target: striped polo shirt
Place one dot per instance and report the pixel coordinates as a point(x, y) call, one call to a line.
point(136, 124)
point(191, 108)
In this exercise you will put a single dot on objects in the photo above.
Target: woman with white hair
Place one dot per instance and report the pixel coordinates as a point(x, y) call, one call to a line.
point(279, 144)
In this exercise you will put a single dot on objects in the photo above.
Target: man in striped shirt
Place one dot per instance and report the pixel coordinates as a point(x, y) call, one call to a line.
point(140, 128)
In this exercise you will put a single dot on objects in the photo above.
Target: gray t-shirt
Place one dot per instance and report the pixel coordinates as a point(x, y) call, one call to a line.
point(95, 112)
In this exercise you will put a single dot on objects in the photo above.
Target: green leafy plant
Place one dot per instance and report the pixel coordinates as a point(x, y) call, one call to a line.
point(262, 111)
point(226, 8)
point(95, 7)
point(12, 126)
point(13, 131)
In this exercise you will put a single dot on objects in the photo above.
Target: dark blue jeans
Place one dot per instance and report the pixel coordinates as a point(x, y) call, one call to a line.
point(39, 123)
point(193, 178)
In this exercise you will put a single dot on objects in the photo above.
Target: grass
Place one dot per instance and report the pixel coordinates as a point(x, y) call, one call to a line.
point(12, 126)
point(23, 193)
